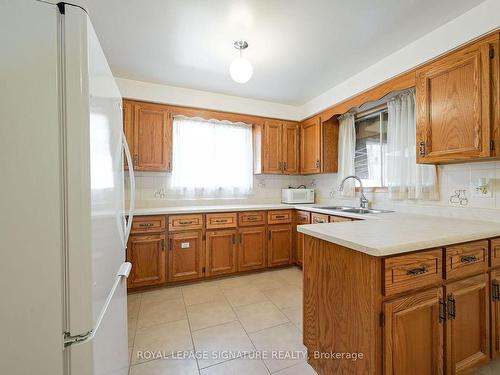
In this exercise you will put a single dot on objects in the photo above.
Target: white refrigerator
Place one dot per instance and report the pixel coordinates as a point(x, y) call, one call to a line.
point(63, 228)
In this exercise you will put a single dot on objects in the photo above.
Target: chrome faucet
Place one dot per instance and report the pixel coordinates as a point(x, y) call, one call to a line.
point(363, 202)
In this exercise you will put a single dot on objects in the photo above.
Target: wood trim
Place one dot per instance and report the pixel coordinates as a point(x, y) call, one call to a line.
point(209, 114)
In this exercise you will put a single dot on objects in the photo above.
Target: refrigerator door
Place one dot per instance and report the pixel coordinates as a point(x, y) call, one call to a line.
point(95, 191)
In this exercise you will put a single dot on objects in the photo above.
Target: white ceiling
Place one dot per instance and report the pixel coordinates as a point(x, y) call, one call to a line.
point(298, 48)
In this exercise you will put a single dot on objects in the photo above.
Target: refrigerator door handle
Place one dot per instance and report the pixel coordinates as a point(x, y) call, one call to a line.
point(123, 272)
point(128, 226)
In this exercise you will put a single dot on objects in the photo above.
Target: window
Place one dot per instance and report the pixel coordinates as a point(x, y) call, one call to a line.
point(371, 149)
point(212, 158)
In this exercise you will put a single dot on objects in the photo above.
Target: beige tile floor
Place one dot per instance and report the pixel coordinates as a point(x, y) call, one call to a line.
point(238, 316)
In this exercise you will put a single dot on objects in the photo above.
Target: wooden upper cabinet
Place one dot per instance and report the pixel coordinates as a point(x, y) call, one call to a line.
point(148, 129)
point(319, 146)
point(221, 252)
point(185, 256)
point(467, 331)
point(455, 96)
point(128, 124)
point(310, 146)
point(147, 255)
point(273, 134)
point(290, 148)
point(280, 147)
point(413, 335)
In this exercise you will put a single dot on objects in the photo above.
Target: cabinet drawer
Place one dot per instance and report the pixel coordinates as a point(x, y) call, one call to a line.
point(339, 219)
point(221, 220)
point(303, 217)
point(495, 252)
point(246, 219)
point(318, 218)
point(148, 224)
point(466, 259)
point(279, 217)
point(183, 222)
point(412, 271)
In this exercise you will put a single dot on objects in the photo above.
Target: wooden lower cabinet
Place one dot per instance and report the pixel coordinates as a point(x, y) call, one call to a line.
point(252, 248)
point(467, 326)
point(413, 334)
point(147, 255)
point(221, 252)
point(300, 248)
point(185, 260)
point(279, 245)
point(495, 312)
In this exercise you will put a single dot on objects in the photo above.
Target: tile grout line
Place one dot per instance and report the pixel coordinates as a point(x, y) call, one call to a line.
point(190, 332)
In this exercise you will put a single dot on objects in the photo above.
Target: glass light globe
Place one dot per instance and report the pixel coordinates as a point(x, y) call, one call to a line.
point(241, 70)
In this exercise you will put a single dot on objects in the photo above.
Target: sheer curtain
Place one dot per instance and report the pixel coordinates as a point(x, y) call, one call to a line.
point(405, 178)
point(347, 149)
point(211, 158)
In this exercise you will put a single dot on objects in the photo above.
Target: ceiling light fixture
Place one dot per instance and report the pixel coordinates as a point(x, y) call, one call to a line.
point(240, 70)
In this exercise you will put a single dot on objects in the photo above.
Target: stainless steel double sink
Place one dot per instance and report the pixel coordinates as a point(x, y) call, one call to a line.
point(353, 210)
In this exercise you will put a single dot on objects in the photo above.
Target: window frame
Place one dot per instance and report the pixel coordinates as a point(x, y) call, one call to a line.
point(374, 112)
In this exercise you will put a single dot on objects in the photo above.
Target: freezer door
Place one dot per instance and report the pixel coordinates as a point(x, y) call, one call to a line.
point(95, 192)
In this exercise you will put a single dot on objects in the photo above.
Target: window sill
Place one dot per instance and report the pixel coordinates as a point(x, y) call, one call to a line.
point(373, 189)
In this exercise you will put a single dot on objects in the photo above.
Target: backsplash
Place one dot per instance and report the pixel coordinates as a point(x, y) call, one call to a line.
point(460, 181)
point(152, 190)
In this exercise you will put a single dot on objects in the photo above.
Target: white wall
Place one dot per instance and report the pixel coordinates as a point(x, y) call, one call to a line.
point(478, 21)
point(470, 25)
point(204, 99)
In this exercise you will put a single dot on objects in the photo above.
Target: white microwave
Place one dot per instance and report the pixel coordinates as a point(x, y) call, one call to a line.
point(292, 196)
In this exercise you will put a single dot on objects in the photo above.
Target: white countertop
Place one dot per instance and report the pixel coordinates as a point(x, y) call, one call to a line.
point(376, 234)
point(396, 233)
point(243, 207)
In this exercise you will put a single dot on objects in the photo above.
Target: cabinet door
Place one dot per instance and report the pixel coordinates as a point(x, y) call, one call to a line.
point(252, 248)
point(221, 252)
point(147, 255)
point(310, 146)
point(185, 256)
point(128, 127)
point(467, 330)
point(413, 334)
point(290, 150)
point(152, 138)
point(273, 133)
point(453, 97)
point(279, 246)
point(495, 312)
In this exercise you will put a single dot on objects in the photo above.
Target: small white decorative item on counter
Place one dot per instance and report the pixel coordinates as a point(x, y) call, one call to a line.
point(459, 198)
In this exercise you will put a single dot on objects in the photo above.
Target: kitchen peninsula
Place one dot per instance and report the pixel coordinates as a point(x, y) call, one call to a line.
point(408, 294)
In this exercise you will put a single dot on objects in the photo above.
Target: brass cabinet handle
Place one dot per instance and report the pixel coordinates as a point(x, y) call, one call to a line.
point(252, 218)
point(146, 225)
point(451, 307)
point(421, 148)
point(442, 310)
point(468, 259)
point(279, 216)
point(417, 271)
point(186, 222)
point(495, 290)
point(220, 220)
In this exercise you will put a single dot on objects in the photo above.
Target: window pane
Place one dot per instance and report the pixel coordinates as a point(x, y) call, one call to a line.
point(370, 149)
